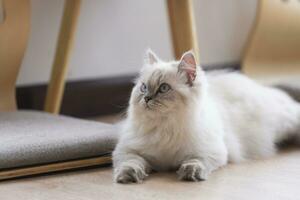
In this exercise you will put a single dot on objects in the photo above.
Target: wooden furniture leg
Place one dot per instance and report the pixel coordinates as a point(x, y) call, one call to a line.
point(273, 50)
point(14, 31)
point(183, 27)
point(54, 167)
point(62, 56)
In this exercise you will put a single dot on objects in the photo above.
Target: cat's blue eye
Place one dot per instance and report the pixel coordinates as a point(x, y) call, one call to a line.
point(143, 88)
point(164, 87)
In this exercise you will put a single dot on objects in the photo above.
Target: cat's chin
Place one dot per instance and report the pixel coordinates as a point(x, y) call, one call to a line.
point(154, 111)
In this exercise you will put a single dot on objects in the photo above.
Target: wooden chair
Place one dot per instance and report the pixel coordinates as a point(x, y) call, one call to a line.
point(13, 40)
point(273, 50)
point(22, 154)
point(183, 28)
point(14, 33)
point(26, 127)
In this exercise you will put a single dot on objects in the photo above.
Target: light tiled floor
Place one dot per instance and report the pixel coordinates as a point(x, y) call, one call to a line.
point(272, 179)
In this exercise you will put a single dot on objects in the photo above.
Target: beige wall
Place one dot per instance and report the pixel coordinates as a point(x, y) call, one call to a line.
point(113, 34)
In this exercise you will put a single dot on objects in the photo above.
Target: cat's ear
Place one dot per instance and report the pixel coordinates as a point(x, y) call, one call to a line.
point(150, 57)
point(188, 66)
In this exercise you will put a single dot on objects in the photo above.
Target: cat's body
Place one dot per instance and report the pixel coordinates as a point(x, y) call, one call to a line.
point(199, 123)
point(254, 117)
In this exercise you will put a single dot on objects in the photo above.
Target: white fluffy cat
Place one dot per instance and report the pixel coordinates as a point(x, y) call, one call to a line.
point(180, 118)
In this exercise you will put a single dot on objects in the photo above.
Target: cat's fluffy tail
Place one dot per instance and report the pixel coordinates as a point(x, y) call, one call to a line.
point(292, 88)
point(298, 131)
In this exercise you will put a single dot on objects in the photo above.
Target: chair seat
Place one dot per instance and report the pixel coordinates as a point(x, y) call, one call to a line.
point(32, 138)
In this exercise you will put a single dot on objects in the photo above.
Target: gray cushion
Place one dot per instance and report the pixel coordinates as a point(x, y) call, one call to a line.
point(31, 138)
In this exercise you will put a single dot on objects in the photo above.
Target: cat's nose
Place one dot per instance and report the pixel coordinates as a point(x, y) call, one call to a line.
point(147, 98)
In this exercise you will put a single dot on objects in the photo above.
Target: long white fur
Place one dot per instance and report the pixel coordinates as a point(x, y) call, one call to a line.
point(223, 117)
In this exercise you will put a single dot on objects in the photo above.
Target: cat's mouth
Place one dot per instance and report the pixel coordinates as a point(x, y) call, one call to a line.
point(153, 106)
point(148, 106)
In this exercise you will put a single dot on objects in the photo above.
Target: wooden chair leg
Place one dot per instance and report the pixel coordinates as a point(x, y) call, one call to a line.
point(54, 167)
point(183, 27)
point(14, 32)
point(273, 50)
point(63, 50)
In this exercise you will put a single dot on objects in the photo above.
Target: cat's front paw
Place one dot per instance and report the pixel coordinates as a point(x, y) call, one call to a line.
point(129, 174)
point(193, 171)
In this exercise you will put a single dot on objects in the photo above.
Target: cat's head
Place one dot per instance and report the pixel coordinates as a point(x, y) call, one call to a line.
point(166, 87)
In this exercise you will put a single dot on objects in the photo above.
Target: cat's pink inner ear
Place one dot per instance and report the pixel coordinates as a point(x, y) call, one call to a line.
point(188, 65)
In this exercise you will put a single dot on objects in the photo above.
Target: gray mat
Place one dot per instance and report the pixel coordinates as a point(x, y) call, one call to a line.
point(32, 138)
